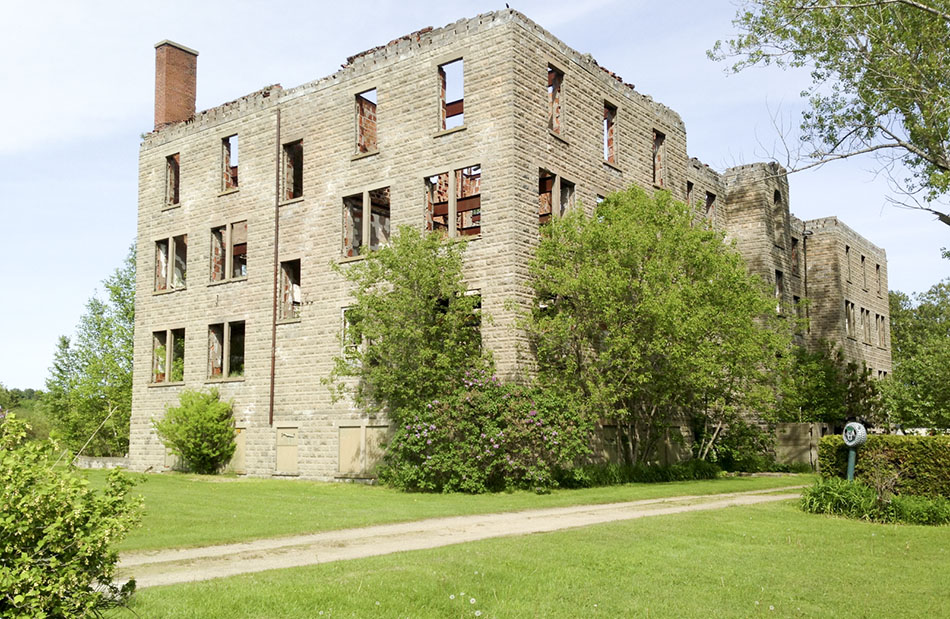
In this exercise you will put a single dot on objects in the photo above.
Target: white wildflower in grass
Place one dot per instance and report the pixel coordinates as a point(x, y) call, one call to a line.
point(771, 607)
point(478, 613)
point(471, 601)
point(452, 597)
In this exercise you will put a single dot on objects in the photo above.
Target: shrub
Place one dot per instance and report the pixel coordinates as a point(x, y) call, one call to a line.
point(610, 474)
point(921, 462)
point(486, 436)
point(56, 535)
point(859, 501)
point(200, 431)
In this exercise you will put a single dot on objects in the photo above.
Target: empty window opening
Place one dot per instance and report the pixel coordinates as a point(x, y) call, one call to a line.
point(779, 291)
point(778, 219)
point(879, 324)
point(290, 298)
point(567, 196)
point(366, 122)
point(659, 159)
point(797, 302)
point(293, 170)
point(545, 194)
point(172, 172)
point(171, 262)
point(849, 318)
point(847, 260)
point(366, 216)
point(794, 257)
point(555, 79)
point(877, 274)
point(453, 202)
point(610, 133)
point(710, 203)
point(226, 350)
point(689, 193)
point(351, 336)
point(452, 94)
point(168, 356)
point(864, 274)
point(229, 252)
point(229, 159)
point(866, 324)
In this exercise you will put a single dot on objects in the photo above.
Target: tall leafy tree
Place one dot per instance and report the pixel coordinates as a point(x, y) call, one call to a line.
point(89, 390)
point(880, 82)
point(646, 318)
point(918, 392)
point(413, 331)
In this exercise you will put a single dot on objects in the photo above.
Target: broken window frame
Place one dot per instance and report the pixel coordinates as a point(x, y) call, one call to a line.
point(449, 110)
point(230, 152)
point(223, 242)
point(292, 177)
point(165, 356)
point(173, 180)
point(659, 159)
point(461, 205)
point(550, 185)
point(291, 299)
point(367, 129)
point(171, 263)
point(366, 215)
point(226, 350)
point(555, 95)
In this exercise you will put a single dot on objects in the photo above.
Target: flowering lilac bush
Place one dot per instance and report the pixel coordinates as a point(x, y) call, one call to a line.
point(487, 436)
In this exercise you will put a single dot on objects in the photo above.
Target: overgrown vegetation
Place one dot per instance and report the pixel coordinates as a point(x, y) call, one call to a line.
point(413, 331)
point(860, 501)
point(921, 463)
point(593, 475)
point(89, 390)
point(647, 326)
point(200, 431)
point(487, 436)
point(57, 535)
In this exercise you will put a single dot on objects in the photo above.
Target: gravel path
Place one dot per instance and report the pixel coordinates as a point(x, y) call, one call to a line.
point(166, 567)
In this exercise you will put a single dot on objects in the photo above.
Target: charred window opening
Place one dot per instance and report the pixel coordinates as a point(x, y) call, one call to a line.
point(610, 133)
point(659, 159)
point(453, 202)
point(710, 203)
point(290, 297)
point(171, 262)
point(226, 350)
point(555, 80)
point(452, 94)
point(229, 162)
point(293, 170)
point(366, 122)
point(795, 257)
point(366, 216)
point(172, 179)
point(229, 252)
point(168, 356)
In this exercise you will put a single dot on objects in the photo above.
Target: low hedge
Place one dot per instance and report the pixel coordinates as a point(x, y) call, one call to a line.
point(922, 462)
point(593, 475)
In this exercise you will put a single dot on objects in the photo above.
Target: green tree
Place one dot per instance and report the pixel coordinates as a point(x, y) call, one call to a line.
point(645, 318)
point(880, 82)
point(90, 382)
point(413, 331)
point(918, 391)
point(822, 385)
point(57, 536)
point(200, 430)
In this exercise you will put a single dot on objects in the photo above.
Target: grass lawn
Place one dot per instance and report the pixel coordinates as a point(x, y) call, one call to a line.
point(194, 510)
point(769, 560)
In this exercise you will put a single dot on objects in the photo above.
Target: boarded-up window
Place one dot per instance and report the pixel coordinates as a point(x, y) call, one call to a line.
point(229, 163)
point(555, 80)
point(293, 170)
point(287, 461)
point(366, 122)
point(452, 93)
point(361, 449)
point(290, 299)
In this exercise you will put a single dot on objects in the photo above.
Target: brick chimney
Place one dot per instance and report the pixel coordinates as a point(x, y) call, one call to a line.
point(176, 69)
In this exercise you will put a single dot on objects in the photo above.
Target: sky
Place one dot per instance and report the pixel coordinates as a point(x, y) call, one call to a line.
point(78, 92)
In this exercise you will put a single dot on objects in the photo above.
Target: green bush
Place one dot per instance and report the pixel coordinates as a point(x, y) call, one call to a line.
point(922, 463)
point(487, 436)
point(857, 500)
point(56, 534)
point(592, 475)
point(200, 431)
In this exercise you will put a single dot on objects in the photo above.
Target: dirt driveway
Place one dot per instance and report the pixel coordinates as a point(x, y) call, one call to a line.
point(166, 567)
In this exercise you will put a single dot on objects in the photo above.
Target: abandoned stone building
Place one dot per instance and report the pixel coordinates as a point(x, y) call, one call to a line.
point(483, 129)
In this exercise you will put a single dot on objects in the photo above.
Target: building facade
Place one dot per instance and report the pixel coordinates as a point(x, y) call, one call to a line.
point(483, 129)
